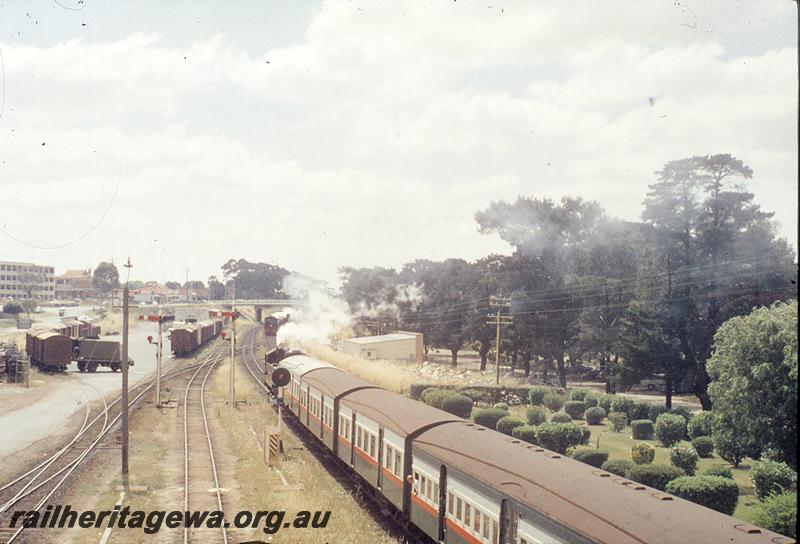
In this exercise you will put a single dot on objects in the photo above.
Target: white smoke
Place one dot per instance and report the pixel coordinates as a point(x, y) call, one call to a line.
point(321, 316)
point(411, 296)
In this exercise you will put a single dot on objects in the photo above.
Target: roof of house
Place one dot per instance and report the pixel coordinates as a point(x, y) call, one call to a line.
point(382, 338)
point(75, 274)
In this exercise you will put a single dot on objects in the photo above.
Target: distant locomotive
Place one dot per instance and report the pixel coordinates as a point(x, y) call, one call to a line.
point(274, 322)
point(186, 339)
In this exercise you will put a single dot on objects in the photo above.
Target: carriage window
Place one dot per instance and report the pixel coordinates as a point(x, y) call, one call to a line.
point(522, 541)
point(388, 457)
point(494, 531)
point(486, 527)
point(435, 496)
point(477, 524)
point(372, 446)
point(458, 508)
point(450, 503)
point(422, 483)
point(467, 509)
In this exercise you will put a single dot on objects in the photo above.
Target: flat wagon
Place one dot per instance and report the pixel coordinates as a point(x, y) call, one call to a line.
point(91, 353)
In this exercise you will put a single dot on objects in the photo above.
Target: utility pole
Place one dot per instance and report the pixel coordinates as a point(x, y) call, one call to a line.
point(499, 319)
point(124, 431)
point(232, 400)
point(161, 319)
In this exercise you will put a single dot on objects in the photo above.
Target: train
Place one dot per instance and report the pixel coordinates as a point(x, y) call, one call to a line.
point(49, 350)
point(274, 322)
point(186, 339)
point(455, 482)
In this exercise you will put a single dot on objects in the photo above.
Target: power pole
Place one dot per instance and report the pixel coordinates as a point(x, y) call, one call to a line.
point(124, 431)
point(499, 319)
point(160, 319)
point(232, 400)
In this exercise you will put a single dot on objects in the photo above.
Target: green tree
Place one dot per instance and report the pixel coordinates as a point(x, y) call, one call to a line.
point(216, 290)
point(105, 279)
point(255, 280)
point(753, 374)
point(172, 285)
point(12, 308)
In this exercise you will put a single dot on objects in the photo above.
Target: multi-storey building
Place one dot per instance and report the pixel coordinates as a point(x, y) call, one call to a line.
point(26, 280)
point(74, 284)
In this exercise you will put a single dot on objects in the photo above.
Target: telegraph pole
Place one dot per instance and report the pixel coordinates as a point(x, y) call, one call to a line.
point(124, 431)
point(499, 319)
point(161, 319)
point(233, 359)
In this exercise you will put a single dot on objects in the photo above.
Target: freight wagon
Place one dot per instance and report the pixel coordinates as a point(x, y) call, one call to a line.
point(91, 353)
point(49, 350)
point(185, 339)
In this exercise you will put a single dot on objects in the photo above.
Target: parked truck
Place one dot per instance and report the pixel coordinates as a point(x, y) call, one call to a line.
point(90, 353)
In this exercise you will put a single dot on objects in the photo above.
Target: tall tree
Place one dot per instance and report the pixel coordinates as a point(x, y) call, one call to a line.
point(216, 290)
point(255, 280)
point(105, 279)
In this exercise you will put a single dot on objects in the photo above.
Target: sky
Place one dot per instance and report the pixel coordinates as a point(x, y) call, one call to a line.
point(316, 135)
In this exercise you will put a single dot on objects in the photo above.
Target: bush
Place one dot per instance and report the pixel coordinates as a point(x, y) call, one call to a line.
point(537, 393)
point(558, 437)
point(620, 467)
point(656, 476)
point(578, 394)
point(617, 421)
point(655, 410)
point(536, 415)
point(594, 415)
point(488, 417)
point(623, 405)
point(575, 408)
point(560, 417)
point(458, 405)
point(718, 470)
point(685, 413)
point(501, 406)
point(715, 492)
point(13, 308)
point(642, 453)
point(700, 425)
point(729, 446)
point(508, 423)
point(771, 476)
point(778, 513)
point(526, 433)
point(554, 401)
point(474, 394)
point(639, 410)
point(670, 428)
point(642, 429)
point(684, 457)
point(704, 446)
point(587, 435)
point(590, 456)
point(590, 400)
point(435, 396)
point(604, 401)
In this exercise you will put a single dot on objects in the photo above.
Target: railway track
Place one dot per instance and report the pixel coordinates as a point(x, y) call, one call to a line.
point(40, 486)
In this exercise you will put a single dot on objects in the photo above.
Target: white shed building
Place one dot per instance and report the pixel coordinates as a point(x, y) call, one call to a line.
point(399, 346)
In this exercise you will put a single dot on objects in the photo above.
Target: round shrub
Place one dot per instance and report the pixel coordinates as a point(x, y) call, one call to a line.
point(703, 445)
point(590, 400)
point(558, 437)
point(700, 425)
point(684, 457)
point(554, 401)
point(604, 401)
point(475, 394)
point(771, 476)
point(685, 413)
point(622, 404)
point(560, 417)
point(718, 470)
point(537, 393)
point(729, 446)
point(587, 435)
point(488, 417)
point(575, 408)
point(536, 415)
point(620, 467)
point(435, 397)
point(670, 428)
point(655, 410)
point(578, 394)
point(458, 405)
point(642, 429)
point(594, 415)
point(656, 476)
point(642, 453)
point(617, 421)
point(508, 423)
point(715, 492)
point(639, 410)
point(778, 513)
point(501, 406)
point(590, 456)
point(526, 433)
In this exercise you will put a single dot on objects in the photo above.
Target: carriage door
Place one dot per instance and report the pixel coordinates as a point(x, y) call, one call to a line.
point(442, 502)
point(509, 519)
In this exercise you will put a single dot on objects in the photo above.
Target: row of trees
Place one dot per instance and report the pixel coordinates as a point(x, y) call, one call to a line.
point(644, 297)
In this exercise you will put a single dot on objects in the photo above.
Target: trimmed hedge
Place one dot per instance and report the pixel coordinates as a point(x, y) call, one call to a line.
point(778, 513)
point(718, 470)
point(488, 394)
point(655, 410)
point(536, 415)
point(715, 492)
point(435, 397)
point(508, 423)
point(642, 429)
point(578, 394)
point(670, 428)
point(639, 410)
point(590, 456)
point(604, 402)
point(554, 401)
point(617, 421)
point(488, 417)
point(561, 417)
point(526, 433)
point(685, 413)
point(590, 400)
point(501, 406)
point(594, 415)
point(656, 476)
point(620, 467)
point(537, 393)
point(623, 405)
point(558, 437)
point(458, 405)
point(771, 477)
point(684, 457)
point(642, 453)
point(575, 408)
point(704, 446)
point(700, 425)
point(476, 396)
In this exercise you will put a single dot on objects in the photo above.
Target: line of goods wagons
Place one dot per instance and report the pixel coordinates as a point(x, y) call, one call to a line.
point(458, 482)
point(55, 347)
point(186, 339)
